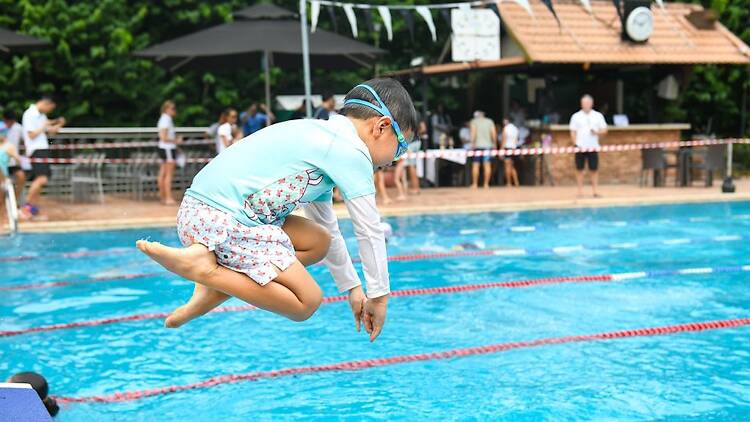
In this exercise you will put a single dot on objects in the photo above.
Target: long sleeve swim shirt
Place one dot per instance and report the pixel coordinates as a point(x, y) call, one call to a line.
point(264, 177)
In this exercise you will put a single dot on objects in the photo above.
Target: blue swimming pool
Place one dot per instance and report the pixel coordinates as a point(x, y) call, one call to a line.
point(565, 273)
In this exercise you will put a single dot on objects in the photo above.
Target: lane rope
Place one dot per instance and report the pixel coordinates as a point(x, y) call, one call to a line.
point(467, 250)
point(408, 292)
point(459, 232)
point(357, 365)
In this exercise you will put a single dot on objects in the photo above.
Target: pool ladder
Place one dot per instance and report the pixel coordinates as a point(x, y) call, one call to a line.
point(11, 207)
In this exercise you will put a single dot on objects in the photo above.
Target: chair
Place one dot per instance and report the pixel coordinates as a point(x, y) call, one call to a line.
point(653, 160)
point(714, 158)
point(87, 171)
point(144, 173)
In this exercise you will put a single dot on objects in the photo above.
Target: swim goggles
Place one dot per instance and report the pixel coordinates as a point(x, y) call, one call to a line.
point(403, 146)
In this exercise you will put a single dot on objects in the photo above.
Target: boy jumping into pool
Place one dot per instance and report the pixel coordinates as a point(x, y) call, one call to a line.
point(235, 225)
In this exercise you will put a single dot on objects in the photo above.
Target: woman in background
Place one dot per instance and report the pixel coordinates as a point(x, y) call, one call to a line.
point(168, 142)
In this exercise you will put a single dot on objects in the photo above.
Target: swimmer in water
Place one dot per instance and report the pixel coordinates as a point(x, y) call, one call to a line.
point(239, 239)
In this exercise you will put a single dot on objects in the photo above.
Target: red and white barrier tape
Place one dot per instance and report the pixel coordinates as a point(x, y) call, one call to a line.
point(455, 153)
point(421, 357)
point(132, 144)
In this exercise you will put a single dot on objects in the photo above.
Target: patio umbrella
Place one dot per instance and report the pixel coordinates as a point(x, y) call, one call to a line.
point(261, 36)
point(11, 42)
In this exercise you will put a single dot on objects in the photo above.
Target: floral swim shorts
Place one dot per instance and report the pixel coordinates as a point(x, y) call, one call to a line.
point(250, 250)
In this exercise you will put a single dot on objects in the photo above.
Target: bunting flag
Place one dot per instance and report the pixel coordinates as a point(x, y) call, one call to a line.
point(349, 10)
point(385, 15)
point(332, 16)
point(315, 13)
point(586, 5)
point(427, 16)
point(409, 19)
point(660, 3)
point(548, 3)
point(618, 8)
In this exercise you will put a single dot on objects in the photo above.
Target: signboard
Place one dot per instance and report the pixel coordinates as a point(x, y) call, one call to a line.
point(476, 35)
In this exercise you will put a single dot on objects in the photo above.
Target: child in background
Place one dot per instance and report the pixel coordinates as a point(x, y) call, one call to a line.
point(235, 225)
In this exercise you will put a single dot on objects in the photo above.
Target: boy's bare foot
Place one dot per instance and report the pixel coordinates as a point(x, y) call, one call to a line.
point(195, 263)
point(204, 299)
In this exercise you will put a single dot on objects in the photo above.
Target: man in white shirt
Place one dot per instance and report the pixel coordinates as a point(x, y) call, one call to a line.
point(36, 126)
point(509, 142)
point(15, 132)
point(586, 125)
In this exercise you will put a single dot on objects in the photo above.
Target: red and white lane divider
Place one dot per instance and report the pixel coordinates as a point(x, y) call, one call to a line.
point(421, 357)
point(458, 153)
point(77, 254)
point(409, 292)
point(473, 250)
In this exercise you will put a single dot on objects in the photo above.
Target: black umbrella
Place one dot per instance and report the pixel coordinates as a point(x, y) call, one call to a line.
point(13, 42)
point(262, 34)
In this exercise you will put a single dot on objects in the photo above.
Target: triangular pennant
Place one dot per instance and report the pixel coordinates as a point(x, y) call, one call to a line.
point(660, 3)
point(586, 5)
point(409, 19)
point(548, 3)
point(332, 15)
point(446, 15)
point(349, 10)
point(424, 12)
point(369, 21)
point(525, 4)
point(315, 12)
point(385, 14)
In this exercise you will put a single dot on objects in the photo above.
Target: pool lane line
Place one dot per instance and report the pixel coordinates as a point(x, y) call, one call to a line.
point(357, 365)
point(78, 254)
point(507, 252)
point(456, 232)
point(91, 280)
point(461, 288)
point(521, 228)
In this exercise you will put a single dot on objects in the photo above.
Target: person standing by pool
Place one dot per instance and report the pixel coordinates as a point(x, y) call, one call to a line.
point(225, 133)
point(509, 142)
point(235, 225)
point(483, 139)
point(36, 127)
point(15, 132)
point(168, 141)
point(255, 118)
point(586, 126)
point(408, 164)
point(326, 107)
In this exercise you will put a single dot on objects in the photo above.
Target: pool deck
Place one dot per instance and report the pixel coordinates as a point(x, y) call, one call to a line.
point(119, 213)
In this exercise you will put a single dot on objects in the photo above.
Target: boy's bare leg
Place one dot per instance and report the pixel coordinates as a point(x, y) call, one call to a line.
point(310, 242)
point(293, 293)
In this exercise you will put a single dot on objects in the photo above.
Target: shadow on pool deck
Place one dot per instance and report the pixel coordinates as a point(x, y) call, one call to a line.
point(118, 212)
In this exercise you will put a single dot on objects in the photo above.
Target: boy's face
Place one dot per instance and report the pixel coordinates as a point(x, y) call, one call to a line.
point(381, 140)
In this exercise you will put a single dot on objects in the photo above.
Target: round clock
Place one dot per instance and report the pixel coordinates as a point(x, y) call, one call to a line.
point(640, 24)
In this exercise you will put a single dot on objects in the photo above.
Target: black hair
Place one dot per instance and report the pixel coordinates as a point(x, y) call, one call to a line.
point(393, 95)
point(326, 96)
point(47, 97)
point(39, 384)
point(10, 115)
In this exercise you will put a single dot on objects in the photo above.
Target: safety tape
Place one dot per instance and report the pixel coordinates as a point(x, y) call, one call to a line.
point(407, 292)
point(133, 144)
point(454, 153)
point(420, 357)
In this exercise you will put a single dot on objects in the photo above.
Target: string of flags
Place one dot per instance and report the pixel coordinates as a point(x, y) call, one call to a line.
point(424, 11)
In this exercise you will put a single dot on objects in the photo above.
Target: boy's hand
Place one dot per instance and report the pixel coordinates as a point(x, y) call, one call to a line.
point(374, 315)
point(356, 302)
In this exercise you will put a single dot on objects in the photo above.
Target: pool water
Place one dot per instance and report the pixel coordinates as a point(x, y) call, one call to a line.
point(690, 376)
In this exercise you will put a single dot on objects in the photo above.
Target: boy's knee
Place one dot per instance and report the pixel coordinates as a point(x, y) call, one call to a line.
point(308, 307)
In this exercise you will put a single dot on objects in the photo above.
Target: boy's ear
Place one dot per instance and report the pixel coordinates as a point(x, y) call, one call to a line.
point(383, 125)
